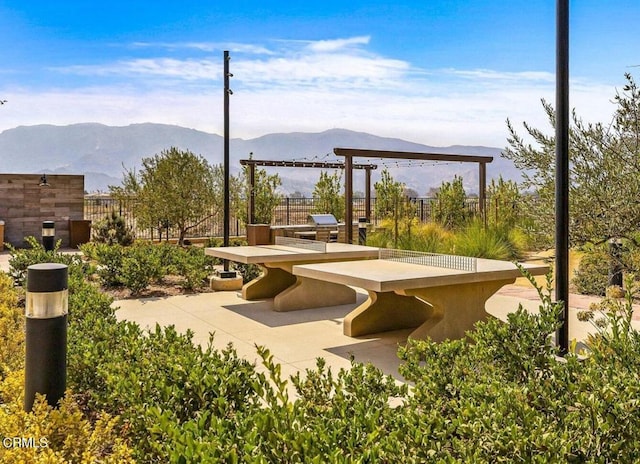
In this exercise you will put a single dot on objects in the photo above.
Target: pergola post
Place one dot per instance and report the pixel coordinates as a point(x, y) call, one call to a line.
point(348, 198)
point(367, 195)
point(252, 194)
point(482, 191)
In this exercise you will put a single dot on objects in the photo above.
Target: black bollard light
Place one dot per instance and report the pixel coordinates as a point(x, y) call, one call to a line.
point(47, 302)
point(362, 231)
point(48, 235)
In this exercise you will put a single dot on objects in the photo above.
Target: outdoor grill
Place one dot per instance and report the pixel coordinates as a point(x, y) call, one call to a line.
point(322, 220)
point(326, 227)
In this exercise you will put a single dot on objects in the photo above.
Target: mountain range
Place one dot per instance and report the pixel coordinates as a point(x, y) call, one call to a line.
point(102, 153)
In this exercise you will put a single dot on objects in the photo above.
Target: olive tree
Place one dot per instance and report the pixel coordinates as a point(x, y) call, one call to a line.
point(391, 203)
point(604, 184)
point(265, 195)
point(450, 207)
point(176, 188)
point(328, 196)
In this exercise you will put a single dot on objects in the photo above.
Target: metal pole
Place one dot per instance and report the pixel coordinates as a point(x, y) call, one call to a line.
point(562, 169)
point(227, 92)
point(46, 309)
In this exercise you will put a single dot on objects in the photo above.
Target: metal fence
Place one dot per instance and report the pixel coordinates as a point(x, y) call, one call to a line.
point(291, 211)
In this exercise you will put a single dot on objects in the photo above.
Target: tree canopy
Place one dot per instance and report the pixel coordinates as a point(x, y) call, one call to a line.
point(328, 196)
point(265, 195)
point(604, 172)
point(174, 188)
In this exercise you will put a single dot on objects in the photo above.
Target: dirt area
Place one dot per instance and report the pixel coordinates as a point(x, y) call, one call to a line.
point(168, 286)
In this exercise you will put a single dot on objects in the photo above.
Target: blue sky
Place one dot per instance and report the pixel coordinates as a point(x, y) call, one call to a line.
point(435, 72)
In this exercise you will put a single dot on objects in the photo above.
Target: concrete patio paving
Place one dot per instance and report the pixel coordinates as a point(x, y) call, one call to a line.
point(296, 339)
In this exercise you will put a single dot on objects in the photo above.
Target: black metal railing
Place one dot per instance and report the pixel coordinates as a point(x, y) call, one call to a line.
point(290, 211)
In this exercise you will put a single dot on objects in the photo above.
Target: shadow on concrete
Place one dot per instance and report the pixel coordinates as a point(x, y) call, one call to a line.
point(381, 350)
point(262, 312)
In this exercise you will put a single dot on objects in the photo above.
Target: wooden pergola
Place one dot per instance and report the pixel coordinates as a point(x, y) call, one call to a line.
point(350, 153)
point(252, 163)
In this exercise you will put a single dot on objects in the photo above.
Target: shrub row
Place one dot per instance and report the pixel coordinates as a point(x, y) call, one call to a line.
point(501, 396)
point(137, 266)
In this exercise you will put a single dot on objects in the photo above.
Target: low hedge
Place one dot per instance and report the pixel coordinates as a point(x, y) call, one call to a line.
point(502, 395)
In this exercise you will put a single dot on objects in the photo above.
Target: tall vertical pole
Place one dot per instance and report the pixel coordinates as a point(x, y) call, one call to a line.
point(227, 92)
point(562, 169)
point(348, 198)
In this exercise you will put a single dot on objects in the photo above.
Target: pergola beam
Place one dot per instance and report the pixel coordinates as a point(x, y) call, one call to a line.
point(409, 155)
point(303, 164)
point(350, 153)
point(252, 163)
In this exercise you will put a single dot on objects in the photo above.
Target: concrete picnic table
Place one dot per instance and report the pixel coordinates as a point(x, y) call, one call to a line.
point(439, 302)
point(277, 281)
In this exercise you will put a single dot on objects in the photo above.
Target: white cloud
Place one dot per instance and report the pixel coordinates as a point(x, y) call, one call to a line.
point(324, 46)
point(176, 69)
point(305, 86)
point(206, 46)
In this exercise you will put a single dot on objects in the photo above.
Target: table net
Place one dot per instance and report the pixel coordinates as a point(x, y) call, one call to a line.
point(302, 243)
point(462, 263)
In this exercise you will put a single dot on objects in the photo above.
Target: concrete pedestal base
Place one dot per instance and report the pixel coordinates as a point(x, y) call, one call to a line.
point(312, 293)
point(440, 313)
point(222, 284)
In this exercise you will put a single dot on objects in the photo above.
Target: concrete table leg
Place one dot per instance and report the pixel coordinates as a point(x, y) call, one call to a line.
point(456, 308)
point(387, 311)
point(312, 293)
point(272, 281)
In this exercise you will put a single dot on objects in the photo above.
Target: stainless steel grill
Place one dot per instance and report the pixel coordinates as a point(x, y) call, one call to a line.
point(322, 220)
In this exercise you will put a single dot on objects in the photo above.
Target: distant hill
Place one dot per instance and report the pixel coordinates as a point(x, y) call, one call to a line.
point(102, 152)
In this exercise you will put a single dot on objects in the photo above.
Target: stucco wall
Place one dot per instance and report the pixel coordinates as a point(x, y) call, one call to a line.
point(24, 205)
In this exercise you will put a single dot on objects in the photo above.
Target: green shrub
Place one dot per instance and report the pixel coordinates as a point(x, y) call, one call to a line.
point(113, 230)
point(193, 266)
point(450, 209)
point(483, 242)
point(109, 261)
point(140, 266)
point(22, 258)
point(412, 235)
point(12, 329)
point(592, 275)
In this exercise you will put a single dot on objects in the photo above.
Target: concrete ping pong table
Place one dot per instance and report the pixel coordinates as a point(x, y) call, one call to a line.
point(441, 296)
point(289, 292)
